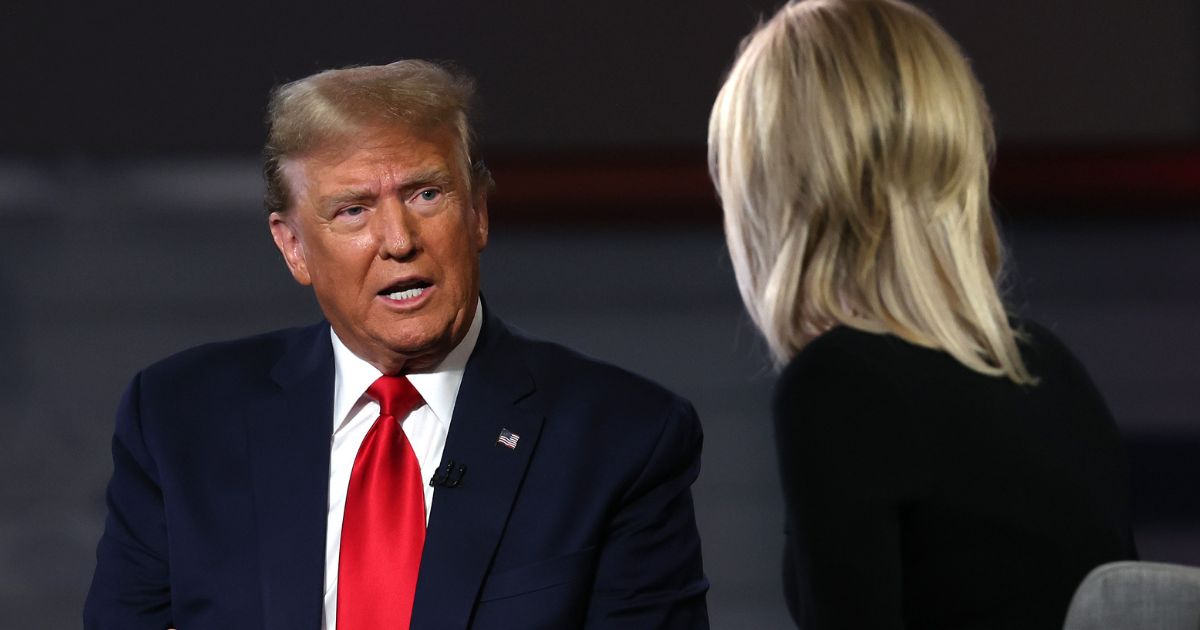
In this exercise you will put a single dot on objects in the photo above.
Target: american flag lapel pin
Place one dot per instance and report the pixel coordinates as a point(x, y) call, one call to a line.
point(508, 438)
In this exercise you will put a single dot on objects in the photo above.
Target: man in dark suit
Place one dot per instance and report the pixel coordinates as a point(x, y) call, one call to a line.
point(412, 462)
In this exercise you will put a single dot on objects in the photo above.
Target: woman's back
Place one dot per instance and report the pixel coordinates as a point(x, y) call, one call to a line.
point(924, 494)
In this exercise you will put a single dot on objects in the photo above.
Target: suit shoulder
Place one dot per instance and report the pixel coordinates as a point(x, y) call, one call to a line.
point(255, 354)
point(571, 374)
point(634, 428)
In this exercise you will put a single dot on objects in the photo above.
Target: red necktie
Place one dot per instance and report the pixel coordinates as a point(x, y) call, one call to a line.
point(383, 530)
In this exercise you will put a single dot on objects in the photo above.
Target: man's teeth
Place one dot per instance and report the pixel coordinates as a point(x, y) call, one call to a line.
point(407, 294)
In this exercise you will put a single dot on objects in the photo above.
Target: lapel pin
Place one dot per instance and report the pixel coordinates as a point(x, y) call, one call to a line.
point(508, 438)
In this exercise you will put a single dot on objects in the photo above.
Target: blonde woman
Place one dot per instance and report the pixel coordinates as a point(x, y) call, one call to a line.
point(944, 465)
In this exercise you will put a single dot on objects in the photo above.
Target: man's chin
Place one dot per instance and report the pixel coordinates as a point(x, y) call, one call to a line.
point(417, 355)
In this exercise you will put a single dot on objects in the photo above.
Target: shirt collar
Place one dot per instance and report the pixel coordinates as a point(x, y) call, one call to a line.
point(439, 387)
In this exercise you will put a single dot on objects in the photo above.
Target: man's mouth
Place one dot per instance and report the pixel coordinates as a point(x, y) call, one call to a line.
point(408, 290)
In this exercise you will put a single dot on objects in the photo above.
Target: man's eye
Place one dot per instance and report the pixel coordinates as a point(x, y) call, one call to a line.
point(353, 211)
point(429, 194)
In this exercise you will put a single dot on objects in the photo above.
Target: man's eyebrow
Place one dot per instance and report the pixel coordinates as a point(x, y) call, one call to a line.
point(435, 175)
point(348, 195)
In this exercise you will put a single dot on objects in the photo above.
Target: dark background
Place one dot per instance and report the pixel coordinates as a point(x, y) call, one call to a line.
point(131, 227)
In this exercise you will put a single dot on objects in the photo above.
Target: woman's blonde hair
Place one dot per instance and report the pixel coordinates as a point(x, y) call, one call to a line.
point(850, 146)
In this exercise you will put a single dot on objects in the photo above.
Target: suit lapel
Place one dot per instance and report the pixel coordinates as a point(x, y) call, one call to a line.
point(467, 521)
point(288, 430)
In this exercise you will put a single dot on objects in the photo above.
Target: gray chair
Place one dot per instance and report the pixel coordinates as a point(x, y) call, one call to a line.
point(1137, 596)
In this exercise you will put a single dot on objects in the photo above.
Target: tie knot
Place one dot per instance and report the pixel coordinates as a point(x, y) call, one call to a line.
point(396, 396)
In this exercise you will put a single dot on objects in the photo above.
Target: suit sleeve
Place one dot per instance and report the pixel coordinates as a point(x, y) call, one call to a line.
point(130, 589)
point(849, 462)
point(649, 572)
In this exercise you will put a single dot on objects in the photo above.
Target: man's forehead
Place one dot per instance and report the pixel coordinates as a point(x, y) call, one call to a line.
point(400, 144)
point(374, 157)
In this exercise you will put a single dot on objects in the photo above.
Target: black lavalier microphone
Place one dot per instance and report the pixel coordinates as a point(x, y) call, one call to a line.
point(449, 476)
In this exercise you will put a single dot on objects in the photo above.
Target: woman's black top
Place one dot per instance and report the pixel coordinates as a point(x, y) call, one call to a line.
point(923, 494)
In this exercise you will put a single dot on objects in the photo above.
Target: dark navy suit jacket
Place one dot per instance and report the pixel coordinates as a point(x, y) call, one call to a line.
point(218, 500)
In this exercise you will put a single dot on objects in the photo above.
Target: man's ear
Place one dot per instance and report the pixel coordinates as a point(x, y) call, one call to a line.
point(481, 222)
point(287, 239)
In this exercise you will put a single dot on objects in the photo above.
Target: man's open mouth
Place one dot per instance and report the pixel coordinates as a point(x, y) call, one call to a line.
point(407, 290)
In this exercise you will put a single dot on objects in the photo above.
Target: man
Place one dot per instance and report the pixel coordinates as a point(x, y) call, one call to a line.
point(412, 460)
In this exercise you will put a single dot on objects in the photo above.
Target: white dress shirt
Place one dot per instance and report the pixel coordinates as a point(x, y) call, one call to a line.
point(354, 413)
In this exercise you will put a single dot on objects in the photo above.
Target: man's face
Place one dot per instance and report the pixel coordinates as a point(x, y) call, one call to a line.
point(388, 234)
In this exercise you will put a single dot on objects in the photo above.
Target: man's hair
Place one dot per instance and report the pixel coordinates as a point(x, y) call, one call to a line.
point(322, 111)
point(850, 146)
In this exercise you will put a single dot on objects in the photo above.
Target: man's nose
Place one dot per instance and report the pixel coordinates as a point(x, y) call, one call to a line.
point(395, 234)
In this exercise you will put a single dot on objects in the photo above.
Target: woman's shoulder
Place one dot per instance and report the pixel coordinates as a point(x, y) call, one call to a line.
point(1050, 360)
point(843, 401)
point(843, 349)
point(864, 368)
point(1037, 341)
point(845, 365)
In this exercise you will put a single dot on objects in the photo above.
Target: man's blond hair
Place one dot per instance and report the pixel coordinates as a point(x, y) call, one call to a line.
point(329, 108)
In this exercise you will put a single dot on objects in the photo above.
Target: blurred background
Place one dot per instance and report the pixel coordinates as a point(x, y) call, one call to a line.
point(131, 227)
